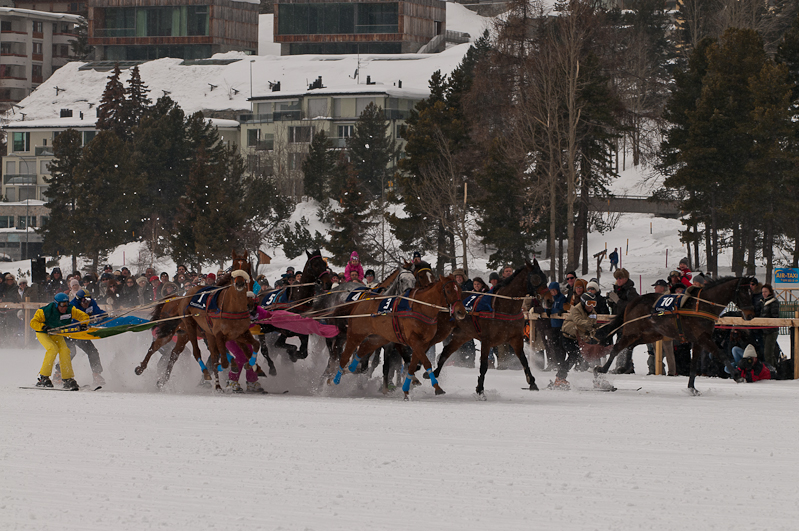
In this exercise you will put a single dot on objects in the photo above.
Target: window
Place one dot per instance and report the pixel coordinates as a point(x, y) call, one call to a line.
point(22, 221)
point(37, 48)
point(44, 167)
point(337, 18)
point(88, 136)
point(38, 27)
point(253, 135)
point(27, 167)
point(36, 73)
point(317, 107)
point(11, 167)
point(22, 142)
point(5, 25)
point(296, 160)
point(345, 131)
point(299, 134)
point(361, 104)
point(197, 20)
point(6, 222)
point(11, 194)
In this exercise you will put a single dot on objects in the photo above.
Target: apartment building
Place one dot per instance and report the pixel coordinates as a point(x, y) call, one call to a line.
point(357, 26)
point(33, 45)
point(142, 30)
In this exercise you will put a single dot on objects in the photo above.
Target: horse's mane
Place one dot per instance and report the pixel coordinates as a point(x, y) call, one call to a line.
point(505, 282)
point(224, 280)
point(721, 280)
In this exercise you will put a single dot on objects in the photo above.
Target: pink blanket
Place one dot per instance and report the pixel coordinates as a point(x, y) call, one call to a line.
point(295, 323)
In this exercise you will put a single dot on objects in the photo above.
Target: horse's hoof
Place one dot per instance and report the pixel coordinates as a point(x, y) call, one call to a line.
point(407, 398)
point(415, 381)
point(440, 391)
point(272, 371)
point(481, 396)
point(302, 354)
point(426, 376)
point(138, 371)
point(160, 385)
point(533, 387)
point(694, 392)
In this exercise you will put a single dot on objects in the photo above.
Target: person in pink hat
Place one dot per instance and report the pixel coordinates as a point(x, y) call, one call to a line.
point(354, 265)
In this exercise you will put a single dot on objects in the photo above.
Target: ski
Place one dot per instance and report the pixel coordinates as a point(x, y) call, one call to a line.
point(85, 388)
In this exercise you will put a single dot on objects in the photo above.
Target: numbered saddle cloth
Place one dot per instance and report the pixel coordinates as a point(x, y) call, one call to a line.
point(202, 298)
point(357, 294)
point(388, 305)
point(275, 298)
point(668, 303)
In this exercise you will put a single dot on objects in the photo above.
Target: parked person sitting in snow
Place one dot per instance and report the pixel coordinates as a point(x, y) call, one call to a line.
point(354, 265)
point(749, 367)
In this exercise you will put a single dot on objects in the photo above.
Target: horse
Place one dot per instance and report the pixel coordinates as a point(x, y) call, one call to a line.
point(692, 321)
point(298, 299)
point(504, 323)
point(383, 321)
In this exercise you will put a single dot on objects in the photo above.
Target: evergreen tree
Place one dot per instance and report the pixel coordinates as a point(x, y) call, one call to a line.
point(371, 149)
point(319, 167)
point(788, 54)
point(137, 101)
point(351, 224)
point(59, 229)
point(80, 44)
point(106, 204)
point(111, 113)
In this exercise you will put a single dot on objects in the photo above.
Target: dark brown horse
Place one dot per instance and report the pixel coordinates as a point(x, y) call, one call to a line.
point(379, 322)
point(694, 323)
point(504, 324)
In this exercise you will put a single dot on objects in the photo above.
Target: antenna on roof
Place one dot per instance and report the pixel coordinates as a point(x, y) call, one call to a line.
point(212, 86)
point(356, 75)
point(23, 116)
point(166, 92)
point(57, 90)
point(234, 90)
point(91, 104)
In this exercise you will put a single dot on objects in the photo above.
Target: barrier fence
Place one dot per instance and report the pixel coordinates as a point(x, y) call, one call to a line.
point(790, 324)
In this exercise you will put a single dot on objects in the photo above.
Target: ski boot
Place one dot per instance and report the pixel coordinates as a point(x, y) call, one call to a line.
point(255, 387)
point(44, 381)
point(560, 384)
point(99, 381)
point(233, 387)
point(71, 385)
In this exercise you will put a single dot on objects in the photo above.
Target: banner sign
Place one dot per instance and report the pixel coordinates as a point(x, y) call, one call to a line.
point(787, 275)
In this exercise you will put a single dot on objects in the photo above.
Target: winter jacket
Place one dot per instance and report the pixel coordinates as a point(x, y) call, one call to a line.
point(557, 308)
point(578, 323)
point(93, 310)
point(601, 305)
point(353, 267)
point(614, 257)
point(625, 293)
point(50, 316)
point(769, 309)
point(686, 274)
point(758, 371)
point(55, 286)
point(11, 293)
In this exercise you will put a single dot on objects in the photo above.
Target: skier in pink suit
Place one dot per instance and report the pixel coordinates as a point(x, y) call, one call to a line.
point(279, 319)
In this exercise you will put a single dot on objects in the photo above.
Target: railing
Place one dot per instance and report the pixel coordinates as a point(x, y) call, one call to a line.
point(263, 145)
point(19, 178)
point(44, 151)
point(256, 118)
point(287, 115)
point(396, 114)
point(338, 142)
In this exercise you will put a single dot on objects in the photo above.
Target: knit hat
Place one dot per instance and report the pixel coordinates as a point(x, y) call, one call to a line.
point(81, 294)
point(74, 282)
point(417, 254)
point(588, 300)
point(495, 276)
point(621, 273)
point(141, 281)
point(593, 285)
point(354, 256)
point(750, 352)
point(554, 285)
point(210, 277)
point(369, 272)
point(153, 278)
point(458, 272)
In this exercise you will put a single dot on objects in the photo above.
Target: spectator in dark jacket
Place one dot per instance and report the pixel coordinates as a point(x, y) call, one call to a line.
point(601, 304)
point(56, 284)
point(623, 292)
point(769, 309)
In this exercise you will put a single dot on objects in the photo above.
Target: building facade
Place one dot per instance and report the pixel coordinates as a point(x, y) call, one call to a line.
point(357, 26)
point(33, 45)
point(142, 30)
point(18, 221)
point(276, 137)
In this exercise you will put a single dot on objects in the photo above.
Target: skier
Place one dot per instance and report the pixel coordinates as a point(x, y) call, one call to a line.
point(53, 316)
point(84, 302)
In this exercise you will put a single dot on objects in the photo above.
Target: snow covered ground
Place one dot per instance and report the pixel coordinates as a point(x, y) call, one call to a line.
point(131, 458)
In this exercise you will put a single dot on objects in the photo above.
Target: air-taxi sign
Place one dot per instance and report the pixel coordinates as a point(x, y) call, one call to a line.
point(786, 275)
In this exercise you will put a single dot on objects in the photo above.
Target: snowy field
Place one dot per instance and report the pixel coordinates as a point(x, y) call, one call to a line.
point(131, 458)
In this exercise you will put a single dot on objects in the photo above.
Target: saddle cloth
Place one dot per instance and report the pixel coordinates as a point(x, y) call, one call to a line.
point(479, 303)
point(357, 294)
point(202, 301)
point(275, 297)
point(387, 305)
point(668, 302)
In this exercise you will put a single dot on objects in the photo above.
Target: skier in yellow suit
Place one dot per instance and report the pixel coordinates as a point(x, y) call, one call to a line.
point(55, 315)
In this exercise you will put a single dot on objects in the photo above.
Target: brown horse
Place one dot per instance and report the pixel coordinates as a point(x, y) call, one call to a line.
point(504, 324)
point(694, 323)
point(380, 322)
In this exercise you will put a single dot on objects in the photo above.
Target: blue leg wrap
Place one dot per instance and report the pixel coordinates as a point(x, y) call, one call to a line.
point(252, 361)
point(432, 376)
point(202, 365)
point(406, 385)
point(219, 368)
point(338, 376)
point(229, 356)
point(354, 363)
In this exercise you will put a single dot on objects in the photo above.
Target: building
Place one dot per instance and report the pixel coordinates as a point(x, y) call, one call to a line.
point(276, 137)
point(18, 240)
point(141, 30)
point(357, 26)
point(73, 8)
point(33, 45)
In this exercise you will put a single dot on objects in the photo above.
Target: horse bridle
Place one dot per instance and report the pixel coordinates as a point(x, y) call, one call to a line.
point(450, 304)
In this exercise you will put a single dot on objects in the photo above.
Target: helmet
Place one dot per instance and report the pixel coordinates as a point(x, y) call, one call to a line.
point(61, 297)
point(81, 294)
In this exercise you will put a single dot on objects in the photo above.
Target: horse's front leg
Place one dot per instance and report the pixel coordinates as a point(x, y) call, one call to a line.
point(419, 353)
point(157, 343)
point(485, 348)
point(517, 342)
point(696, 352)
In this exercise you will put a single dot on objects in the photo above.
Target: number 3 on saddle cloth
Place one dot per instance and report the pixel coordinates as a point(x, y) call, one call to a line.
point(399, 307)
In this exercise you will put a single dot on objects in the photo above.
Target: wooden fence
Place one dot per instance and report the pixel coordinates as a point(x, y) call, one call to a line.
point(783, 322)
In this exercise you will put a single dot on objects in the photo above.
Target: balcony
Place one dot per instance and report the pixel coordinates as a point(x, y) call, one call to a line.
point(396, 114)
point(282, 116)
point(263, 145)
point(338, 142)
point(19, 178)
point(44, 151)
point(256, 118)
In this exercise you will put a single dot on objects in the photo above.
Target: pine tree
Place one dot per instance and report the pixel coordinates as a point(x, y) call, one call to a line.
point(319, 167)
point(351, 224)
point(112, 109)
point(59, 230)
point(371, 149)
point(788, 54)
point(80, 44)
point(137, 101)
